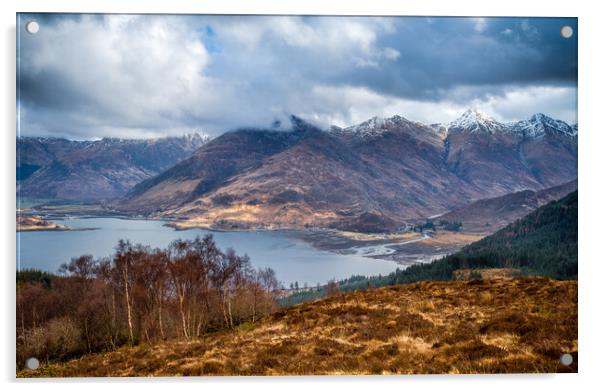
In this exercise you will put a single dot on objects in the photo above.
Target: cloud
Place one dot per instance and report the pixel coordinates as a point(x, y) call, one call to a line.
point(480, 24)
point(142, 76)
point(92, 73)
point(519, 103)
point(391, 54)
point(529, 30)
point(347, 105)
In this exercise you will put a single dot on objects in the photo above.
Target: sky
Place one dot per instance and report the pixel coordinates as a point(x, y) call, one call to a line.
point(140, 76)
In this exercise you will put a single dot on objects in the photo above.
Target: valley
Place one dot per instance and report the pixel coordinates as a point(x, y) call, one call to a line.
point(384, 175)
point(370, 191)
point(386, 248)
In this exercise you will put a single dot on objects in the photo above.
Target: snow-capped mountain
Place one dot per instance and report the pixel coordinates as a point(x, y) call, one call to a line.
point(471, 121)
point(196, 139)
point(393, 167)
point(373, 127)
point(540, 124)
point(475, 121)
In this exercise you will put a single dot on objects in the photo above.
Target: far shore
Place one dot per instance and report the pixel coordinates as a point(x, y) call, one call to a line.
point(404, 248)
point(54, 227)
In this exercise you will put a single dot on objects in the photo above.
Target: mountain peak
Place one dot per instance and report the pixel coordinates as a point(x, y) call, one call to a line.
point(539, 124)
point(540, 117)
point(196, 138)
point(473, 120)
point(301, 125)
point(474, 113)
point(375, 126)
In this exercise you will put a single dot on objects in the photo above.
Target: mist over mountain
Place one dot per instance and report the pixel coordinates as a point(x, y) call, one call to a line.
point(61, 169)
point(391, 168)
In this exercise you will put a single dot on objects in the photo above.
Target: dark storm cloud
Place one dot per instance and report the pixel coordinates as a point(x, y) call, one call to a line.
point(444, 53)
point(93, 75)
point(435, 55)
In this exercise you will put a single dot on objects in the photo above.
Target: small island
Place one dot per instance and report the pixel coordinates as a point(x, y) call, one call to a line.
point(38, 223)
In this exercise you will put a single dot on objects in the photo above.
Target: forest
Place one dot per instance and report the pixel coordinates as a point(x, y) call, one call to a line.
point(139, 295)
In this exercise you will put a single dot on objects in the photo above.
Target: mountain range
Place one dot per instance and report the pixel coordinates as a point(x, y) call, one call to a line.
point(61, 169)
point(392, 169)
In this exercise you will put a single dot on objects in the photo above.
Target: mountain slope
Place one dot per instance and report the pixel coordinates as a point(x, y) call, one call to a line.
point(312, 178)
point(500, 326)
point(209, 168)
point(51, 168)
point(392, 169)
point(491, 214)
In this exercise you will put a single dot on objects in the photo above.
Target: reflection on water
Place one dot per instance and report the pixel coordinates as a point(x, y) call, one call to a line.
point(292, 259)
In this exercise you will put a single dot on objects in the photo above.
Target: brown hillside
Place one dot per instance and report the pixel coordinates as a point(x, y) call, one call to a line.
point(392, 167)
point(497, 326)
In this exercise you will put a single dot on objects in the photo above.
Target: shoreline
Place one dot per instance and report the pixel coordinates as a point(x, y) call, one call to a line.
point(56, 229)
point(402, 248)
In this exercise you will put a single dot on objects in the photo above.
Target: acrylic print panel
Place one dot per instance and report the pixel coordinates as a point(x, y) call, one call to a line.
point(284, 195)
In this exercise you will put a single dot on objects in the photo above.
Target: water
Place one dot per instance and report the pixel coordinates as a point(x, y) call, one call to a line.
point(292, 259)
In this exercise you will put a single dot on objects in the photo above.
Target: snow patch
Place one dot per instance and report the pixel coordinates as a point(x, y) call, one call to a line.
point(540, 124)
point(375, 126)
point(475, 121)
point(471, 121)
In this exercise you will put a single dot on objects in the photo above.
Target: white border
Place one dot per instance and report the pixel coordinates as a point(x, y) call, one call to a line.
point(590, 163)
point(311, 7)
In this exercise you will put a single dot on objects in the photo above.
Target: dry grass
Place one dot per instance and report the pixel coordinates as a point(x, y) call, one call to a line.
point(385, 236)
point(291, 215)
point(444, 238)
point(485, 274)
point(495, 326)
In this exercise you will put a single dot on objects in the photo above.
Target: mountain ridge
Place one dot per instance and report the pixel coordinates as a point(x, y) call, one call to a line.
point(394, 168)
point(471, 120)
point(94, 170)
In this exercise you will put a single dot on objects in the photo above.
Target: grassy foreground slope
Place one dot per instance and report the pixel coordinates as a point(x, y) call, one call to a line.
point(481, 326)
